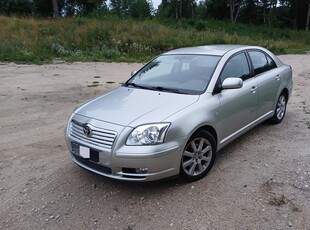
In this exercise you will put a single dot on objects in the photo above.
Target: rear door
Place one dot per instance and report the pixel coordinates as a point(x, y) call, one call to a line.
point(268, 81)
point(238, 106)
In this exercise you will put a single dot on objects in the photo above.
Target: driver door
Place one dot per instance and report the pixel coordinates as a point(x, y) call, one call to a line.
point(238, 106)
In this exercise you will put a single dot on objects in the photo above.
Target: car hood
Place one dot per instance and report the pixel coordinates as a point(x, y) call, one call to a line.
point(132, 107)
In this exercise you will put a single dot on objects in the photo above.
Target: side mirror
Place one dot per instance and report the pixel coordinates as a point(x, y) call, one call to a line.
point(232, 83)
point(133, 72)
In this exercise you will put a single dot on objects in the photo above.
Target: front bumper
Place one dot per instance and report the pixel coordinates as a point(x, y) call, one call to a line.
point(162, 164)
point(124, 162)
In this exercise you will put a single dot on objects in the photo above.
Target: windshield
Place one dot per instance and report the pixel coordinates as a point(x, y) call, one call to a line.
point(186, 74)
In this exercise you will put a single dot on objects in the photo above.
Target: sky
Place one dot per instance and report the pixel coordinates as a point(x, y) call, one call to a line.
point(156, 3)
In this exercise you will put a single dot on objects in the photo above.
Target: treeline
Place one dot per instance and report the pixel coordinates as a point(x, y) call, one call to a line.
point(294, 14)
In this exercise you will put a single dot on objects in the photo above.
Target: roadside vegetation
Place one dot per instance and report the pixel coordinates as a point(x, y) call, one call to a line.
point(30, 40)
point(39, 31)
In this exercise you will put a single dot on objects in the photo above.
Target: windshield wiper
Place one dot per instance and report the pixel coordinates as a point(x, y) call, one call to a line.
point(164, 89)
point(157, 88)
point(137, 86)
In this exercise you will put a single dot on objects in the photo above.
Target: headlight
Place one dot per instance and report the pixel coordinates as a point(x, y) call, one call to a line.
point(148, 134)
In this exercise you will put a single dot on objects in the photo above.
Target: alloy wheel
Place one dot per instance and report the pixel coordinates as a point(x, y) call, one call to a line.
point(197, 156)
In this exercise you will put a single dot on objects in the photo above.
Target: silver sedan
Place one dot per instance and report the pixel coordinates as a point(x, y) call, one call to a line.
point(173, 115)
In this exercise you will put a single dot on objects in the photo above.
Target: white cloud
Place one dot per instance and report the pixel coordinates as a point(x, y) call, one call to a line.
point(156, 3)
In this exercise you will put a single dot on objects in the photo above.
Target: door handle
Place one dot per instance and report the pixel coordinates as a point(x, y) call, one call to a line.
point(253, 89)
point(278, 77)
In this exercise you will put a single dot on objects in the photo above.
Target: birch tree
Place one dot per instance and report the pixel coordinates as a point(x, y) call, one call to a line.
point(55, 9)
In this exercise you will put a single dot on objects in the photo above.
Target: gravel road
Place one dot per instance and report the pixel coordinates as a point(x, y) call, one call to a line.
point(260, 181)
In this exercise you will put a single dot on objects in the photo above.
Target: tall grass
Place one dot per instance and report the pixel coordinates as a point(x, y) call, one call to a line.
point(31, 40)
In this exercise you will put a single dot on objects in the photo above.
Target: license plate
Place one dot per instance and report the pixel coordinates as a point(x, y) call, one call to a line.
point(85, 152)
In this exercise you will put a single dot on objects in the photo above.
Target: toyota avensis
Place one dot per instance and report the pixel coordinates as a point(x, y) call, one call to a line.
point(173, 115)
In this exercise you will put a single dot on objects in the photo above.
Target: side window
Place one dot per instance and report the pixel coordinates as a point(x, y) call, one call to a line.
point(271, 63)
point(236, 67)
point(259, 61)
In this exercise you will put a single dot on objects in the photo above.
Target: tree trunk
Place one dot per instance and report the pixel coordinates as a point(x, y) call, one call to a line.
point(264, 13)
point(232, 7)
point(180, 12)
point(234, 10)
point(269, 14)
point(296, 15)
point(193, 11)
point(308, 17)
point(55, 9)
point(237, 14)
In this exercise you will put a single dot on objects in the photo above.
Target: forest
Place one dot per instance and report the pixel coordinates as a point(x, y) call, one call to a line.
point(294, 14)
point(36, 31)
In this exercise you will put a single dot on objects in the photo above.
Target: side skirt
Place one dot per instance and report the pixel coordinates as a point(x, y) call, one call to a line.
point(244, 129)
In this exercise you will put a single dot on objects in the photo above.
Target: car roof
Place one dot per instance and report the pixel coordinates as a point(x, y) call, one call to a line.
point(218, 50)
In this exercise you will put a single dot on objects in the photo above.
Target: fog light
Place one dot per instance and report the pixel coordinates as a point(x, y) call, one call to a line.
point(142, 170)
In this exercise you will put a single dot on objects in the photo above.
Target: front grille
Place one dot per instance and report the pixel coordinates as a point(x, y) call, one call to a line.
point(99, 137)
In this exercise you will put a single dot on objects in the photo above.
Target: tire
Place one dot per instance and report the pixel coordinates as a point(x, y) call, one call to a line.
point(280, 110)
point(198, 156)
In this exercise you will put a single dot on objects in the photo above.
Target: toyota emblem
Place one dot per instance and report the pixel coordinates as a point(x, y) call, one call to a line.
point(87, 131)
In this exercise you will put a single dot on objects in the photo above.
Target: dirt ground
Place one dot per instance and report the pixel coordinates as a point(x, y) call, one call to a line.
point(260, 181)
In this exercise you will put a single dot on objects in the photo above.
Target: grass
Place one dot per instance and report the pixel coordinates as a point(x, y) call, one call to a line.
point(30, 40)
point(94, 84)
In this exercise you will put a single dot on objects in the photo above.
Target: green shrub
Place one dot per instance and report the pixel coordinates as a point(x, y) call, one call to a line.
point(30, 40)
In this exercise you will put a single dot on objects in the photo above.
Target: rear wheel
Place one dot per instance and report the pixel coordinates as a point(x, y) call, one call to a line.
point(198, 156)
point(279, 110)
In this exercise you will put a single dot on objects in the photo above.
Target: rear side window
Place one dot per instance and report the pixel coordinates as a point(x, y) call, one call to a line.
point(261, 62)
point(271, 63)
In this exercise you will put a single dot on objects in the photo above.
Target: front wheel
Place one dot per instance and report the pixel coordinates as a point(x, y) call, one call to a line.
point(198, 156)
point(280, 110)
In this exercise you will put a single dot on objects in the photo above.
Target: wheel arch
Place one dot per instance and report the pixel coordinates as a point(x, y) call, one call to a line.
point(193, 157)
point(209, 129)
point(285, 92)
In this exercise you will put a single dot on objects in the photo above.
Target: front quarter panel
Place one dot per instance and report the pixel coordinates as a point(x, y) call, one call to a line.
point(202, 113)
